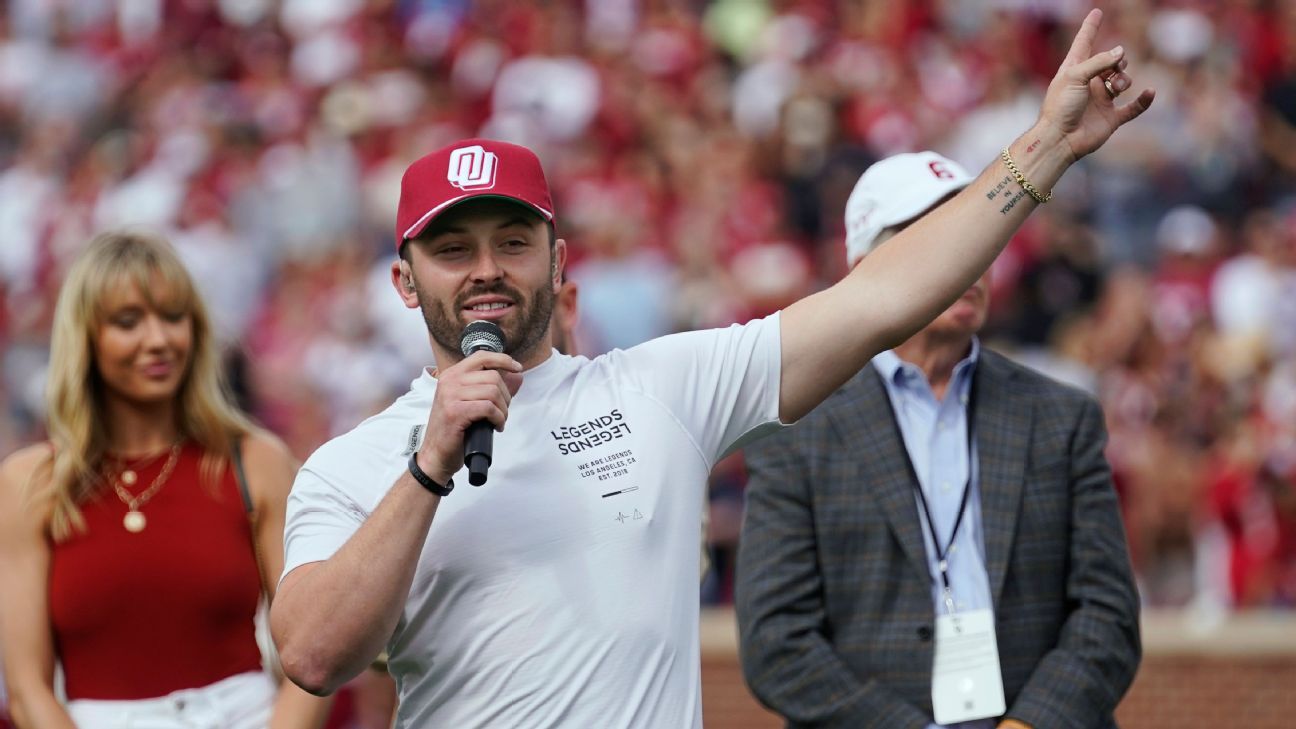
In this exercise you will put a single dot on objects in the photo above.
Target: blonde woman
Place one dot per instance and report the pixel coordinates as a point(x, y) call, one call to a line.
point(136, 543)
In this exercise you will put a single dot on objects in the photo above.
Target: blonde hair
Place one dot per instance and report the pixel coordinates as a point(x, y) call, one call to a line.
point(75, 402)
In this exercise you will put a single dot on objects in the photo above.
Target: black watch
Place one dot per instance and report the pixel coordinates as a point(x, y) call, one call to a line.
point(426, 481)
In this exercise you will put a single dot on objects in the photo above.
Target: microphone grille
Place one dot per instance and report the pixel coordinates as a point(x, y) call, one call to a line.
point(481, 335)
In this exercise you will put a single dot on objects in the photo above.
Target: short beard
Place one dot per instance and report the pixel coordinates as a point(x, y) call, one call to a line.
point(446, 325)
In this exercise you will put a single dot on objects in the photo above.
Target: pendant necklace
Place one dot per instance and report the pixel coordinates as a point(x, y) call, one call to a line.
point(129, 475)
point(134, 520)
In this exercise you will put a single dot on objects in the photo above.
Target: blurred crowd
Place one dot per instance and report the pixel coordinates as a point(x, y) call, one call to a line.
point(700, 155)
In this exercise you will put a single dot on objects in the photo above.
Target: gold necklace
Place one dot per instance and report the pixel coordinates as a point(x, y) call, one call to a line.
point(129, 476)
point(134, 520)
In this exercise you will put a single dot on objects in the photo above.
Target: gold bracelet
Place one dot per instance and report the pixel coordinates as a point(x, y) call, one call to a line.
point(1021, 179)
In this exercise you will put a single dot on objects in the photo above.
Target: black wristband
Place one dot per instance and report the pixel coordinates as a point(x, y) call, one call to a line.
point(426, 481)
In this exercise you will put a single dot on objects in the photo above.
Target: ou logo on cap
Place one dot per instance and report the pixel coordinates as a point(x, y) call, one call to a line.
point(472, 168)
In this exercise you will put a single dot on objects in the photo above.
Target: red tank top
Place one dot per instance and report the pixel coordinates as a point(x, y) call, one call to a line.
point(171, 607)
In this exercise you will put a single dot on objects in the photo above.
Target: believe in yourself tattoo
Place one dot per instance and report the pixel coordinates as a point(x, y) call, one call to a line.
point(1005, 182)
point(1012, 203)
point(1007, 198)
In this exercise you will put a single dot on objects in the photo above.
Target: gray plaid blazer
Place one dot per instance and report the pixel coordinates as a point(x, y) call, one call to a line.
point(833, 594)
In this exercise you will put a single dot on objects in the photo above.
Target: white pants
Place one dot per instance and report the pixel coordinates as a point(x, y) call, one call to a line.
point(237, 702)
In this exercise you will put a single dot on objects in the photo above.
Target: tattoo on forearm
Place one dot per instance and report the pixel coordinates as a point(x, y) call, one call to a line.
point(1012, 202)
point(1003, 191)
point(1006, 194)
point(1032, 146)
point(1004, 183)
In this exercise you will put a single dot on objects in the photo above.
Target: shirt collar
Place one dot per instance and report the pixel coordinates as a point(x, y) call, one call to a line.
point(894, 369)
point(541, 373)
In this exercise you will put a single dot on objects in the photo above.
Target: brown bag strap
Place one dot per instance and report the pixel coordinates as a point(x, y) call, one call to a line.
point(240, 475)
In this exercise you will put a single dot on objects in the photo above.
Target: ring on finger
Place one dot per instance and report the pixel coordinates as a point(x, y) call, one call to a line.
point(1111, 90)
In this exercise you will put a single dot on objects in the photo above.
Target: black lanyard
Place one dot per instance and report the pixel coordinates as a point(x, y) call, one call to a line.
point(942, 555)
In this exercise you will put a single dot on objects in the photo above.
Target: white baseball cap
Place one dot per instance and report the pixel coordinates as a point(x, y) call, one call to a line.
point(895, 190)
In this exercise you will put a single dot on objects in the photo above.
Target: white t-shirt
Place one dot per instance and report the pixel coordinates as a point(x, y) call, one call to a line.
point(563, 593)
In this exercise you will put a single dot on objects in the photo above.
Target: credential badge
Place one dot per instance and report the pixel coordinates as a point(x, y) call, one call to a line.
point(472, 168)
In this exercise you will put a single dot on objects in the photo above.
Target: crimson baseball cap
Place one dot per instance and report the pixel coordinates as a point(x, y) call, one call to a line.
point(894, 190)
point(467, 170)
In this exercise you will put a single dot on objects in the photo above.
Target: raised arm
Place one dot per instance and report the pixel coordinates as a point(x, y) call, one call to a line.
point(897, 289)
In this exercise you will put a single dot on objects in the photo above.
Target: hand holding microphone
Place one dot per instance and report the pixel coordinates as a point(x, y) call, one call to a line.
point(480, 336)
point(471, 402)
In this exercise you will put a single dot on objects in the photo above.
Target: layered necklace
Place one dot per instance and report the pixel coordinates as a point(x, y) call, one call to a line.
point(123, 477)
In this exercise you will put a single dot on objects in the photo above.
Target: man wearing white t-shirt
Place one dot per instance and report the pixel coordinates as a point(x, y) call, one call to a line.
point(564, 591)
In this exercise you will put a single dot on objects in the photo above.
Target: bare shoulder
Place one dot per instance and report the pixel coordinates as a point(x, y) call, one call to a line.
point(269, 465)
point(19, 467)
point(16, 473)
point(263, 448)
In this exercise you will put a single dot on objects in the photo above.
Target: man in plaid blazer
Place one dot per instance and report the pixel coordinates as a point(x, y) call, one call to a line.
point(837, 592)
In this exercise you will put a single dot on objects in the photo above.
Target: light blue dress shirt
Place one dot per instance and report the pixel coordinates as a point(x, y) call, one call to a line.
point(936, 437)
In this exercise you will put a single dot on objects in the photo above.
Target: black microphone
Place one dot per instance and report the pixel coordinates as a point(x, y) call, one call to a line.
point(479, 336)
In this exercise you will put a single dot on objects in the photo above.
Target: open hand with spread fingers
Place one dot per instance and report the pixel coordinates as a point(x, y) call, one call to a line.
point(1082, 100)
